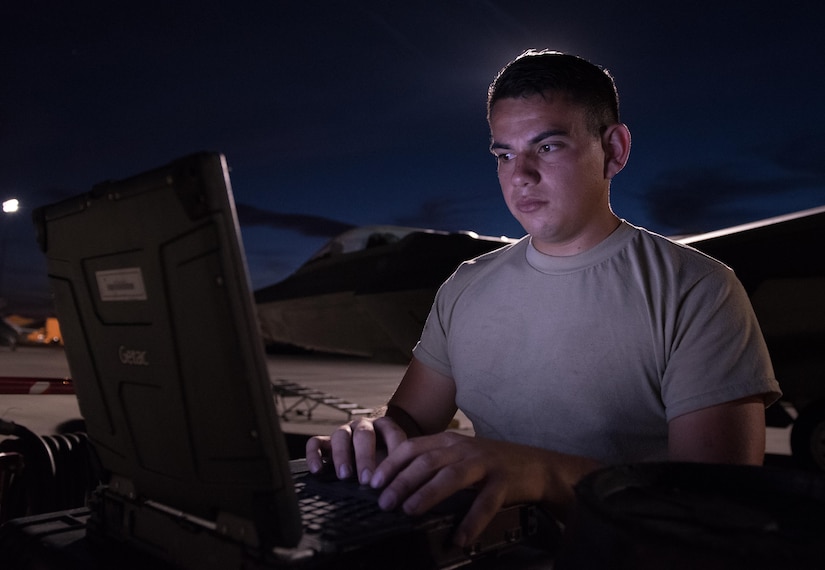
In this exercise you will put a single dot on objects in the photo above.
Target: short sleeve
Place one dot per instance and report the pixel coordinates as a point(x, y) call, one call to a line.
point(718, 353)
point(431, 349)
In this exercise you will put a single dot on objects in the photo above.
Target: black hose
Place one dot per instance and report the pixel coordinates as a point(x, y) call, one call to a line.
point(59, 472)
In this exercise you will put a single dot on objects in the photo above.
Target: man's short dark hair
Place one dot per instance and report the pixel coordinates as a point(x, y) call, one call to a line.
point(536, 72)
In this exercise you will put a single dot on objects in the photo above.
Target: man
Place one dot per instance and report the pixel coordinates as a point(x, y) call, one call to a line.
point(589, 342)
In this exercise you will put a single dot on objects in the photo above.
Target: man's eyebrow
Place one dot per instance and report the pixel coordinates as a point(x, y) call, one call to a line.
point(547, 134)
point(536, 139)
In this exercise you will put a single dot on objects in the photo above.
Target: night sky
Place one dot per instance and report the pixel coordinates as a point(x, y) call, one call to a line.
point(353, 113)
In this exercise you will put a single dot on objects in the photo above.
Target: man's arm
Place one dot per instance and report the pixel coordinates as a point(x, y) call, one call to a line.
point(733, 432)
point(424, 402)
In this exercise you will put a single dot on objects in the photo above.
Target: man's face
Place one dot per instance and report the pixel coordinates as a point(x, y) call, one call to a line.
point(552, 172)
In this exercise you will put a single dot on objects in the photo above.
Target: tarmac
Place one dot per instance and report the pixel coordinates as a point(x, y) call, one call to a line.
point(365, 383)
point(362, 382)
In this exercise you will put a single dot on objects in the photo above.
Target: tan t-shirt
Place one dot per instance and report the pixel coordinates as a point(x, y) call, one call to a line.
point(593, 354)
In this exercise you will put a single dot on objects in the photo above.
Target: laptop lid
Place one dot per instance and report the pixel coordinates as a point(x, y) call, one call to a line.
point(151, 290)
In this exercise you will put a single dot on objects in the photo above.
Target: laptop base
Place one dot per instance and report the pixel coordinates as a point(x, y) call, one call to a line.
point(186, 543)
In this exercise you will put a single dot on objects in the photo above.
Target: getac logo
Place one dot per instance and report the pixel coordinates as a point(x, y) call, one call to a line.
point(133, 357)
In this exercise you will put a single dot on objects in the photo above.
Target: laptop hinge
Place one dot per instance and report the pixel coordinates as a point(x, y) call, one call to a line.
point(226, 524)
point(122, 486)
point(237, 528)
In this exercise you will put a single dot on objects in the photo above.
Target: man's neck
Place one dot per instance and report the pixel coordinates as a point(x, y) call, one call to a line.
point(596, 234)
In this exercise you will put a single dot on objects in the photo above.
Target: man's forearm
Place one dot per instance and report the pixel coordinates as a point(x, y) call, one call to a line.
point(404, 420)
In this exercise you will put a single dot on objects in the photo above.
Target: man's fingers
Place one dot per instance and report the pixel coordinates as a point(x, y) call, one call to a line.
point(365, 438)
point(363, 442)
point(391, 433)
point(481, 512)
point(404, 451)
point(315, 448)
point(421, 473)
point(341, 443)
point(441, 474)
point(352, 447)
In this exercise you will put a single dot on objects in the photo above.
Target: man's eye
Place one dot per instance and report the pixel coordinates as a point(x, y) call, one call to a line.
point(505, 157)
point(549, 147)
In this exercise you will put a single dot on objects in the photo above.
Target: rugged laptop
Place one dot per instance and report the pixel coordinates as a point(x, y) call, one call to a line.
point(151, 289)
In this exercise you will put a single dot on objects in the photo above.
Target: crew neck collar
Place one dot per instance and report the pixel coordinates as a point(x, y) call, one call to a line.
point(608, 247)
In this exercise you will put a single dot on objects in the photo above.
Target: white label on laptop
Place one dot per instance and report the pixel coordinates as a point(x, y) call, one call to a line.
point(121, 284)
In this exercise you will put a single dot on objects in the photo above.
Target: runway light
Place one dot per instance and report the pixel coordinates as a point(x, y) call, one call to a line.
point(12, 205)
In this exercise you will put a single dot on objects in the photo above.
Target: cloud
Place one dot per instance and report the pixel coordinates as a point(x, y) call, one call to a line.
point(802, 153)
point(304, 224)
point(440, 213)
point(775, 176)
point(690, 200)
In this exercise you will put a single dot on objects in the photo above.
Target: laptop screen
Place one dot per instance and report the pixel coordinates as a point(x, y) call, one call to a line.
point(152, 294)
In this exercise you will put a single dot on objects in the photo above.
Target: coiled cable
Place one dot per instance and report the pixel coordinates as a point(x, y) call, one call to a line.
point(45, 473)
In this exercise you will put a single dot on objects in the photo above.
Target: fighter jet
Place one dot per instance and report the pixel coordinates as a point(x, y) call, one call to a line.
point(367, 292)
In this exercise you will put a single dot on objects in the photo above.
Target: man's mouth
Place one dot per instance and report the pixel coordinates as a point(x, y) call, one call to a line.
point(528, 205)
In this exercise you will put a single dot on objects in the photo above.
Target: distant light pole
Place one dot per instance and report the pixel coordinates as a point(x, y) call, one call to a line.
point(9, 207)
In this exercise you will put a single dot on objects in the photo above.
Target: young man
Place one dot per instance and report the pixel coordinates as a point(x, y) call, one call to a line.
point(589, 342)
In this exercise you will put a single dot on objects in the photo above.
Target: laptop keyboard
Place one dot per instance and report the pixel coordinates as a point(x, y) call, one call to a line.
point(340, 510)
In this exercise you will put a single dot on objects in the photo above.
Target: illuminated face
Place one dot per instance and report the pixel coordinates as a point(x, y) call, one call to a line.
point(553, 172)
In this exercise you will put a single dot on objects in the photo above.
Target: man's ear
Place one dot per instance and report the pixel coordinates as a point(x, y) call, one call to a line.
point(616, 144)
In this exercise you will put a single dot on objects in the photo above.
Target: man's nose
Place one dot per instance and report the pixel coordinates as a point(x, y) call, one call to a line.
point(524, 171)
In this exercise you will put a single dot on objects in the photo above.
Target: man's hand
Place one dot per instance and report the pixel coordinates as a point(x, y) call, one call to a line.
point(424, 402)
point(421, 472)
point(354, 447)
